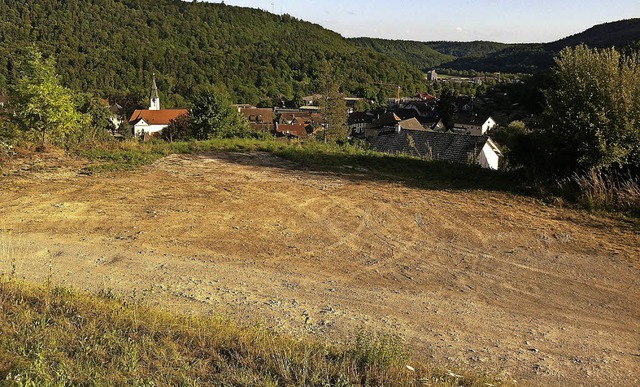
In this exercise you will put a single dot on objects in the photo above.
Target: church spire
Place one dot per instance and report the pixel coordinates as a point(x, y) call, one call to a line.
point(154, 100)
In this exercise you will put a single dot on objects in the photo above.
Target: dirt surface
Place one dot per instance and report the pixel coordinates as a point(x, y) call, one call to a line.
point(478, 279)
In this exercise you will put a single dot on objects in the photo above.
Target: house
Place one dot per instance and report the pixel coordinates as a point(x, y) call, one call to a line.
point(311, 100)
point(473, 125)
point(449, 147)
point(409, 124)
point(384, 122)
point(293, 130)
point(151, 121)
point(260, 119)
point(358, 122)
point(426, 97)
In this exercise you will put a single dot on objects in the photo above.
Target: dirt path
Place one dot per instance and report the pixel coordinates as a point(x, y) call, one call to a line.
point(481, 279)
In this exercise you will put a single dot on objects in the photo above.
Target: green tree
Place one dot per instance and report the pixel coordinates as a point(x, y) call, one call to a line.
point(446, 107)
point(179, 129)
point(42, 104)
point(593, 111)
point(333, 107)
point(213, 116)
point(98, 123)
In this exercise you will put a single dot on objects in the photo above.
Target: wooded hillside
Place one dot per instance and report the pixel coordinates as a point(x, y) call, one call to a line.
point(492, 56)
point(112, 46)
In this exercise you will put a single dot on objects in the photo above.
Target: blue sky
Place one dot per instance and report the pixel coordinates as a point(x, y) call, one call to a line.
point(508, 21)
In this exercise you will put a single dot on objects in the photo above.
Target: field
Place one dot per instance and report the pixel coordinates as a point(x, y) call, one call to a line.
point(473, 278)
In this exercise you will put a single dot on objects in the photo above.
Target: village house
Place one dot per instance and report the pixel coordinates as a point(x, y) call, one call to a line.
point(358, 122)
point(473, 125)
point(383, 122)
point(449, 147)
point(151, 121)
point(293, 130)
point(260, 119)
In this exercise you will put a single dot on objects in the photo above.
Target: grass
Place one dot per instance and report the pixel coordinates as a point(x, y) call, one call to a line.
point(350, 160)
point(55, 336)
point(598, 191)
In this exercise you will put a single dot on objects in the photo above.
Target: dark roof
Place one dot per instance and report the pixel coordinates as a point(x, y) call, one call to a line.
point(115, 109)
point(469, 119)
point(359, 117)
point(457, 148)
point(386, 119)
point(406, 113)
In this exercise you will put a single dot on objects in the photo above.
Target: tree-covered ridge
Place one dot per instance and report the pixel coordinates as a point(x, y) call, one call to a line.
point(493, 56)
point(618, 34)
point(418, 54)
point(112, 46)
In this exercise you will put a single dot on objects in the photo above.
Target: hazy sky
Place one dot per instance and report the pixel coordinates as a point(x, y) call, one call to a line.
point(508, 21)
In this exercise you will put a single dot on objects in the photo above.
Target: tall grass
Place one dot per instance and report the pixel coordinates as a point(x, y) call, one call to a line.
point(597, 190)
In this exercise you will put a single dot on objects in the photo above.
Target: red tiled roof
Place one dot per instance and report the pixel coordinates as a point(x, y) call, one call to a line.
point(296, 130)
point(157, 117)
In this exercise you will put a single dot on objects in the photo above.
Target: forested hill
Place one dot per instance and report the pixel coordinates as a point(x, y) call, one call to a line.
point(492, 56)
point(618, 34)
point(112, 46)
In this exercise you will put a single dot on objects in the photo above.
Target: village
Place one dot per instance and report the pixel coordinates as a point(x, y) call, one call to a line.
point(406, 125)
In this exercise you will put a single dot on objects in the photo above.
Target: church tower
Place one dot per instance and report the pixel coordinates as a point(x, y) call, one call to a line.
point(154, 100)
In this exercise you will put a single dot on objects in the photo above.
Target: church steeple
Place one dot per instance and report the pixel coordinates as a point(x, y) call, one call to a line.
point(154, 100)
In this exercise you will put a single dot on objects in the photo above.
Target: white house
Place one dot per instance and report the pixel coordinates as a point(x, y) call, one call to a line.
point(473, 125)
point(154, 119)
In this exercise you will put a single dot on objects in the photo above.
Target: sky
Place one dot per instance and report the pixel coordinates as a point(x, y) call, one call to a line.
point(506, 21)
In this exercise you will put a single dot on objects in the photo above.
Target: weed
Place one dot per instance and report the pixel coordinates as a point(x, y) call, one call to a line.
point(596, 190)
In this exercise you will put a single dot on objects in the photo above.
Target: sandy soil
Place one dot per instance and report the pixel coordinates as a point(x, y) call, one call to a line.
point(478, 279)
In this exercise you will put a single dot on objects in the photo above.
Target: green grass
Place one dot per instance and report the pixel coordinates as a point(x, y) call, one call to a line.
point(351, 161)
point(54, 336)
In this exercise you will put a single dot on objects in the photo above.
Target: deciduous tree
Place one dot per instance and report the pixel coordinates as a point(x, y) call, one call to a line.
point(593, 110)
point(42, 104)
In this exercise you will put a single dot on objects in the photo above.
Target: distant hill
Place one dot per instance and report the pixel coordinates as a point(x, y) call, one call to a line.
point(418, 54)
point(492, 56)
point(113, 46)
point(618, 34)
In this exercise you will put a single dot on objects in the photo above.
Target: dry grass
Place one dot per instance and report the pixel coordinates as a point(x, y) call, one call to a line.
point(52, 335)
point(600, 191)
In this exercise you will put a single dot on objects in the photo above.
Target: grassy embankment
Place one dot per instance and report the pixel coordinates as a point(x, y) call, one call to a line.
point(351, 160)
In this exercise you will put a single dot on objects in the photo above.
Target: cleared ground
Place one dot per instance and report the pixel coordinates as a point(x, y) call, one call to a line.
point(479, 279)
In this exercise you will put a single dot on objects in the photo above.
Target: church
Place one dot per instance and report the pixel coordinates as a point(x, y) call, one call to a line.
point(151, 121)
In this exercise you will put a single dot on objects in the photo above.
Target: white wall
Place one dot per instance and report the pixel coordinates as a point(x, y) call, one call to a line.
point(488, 158)
point(143, 126)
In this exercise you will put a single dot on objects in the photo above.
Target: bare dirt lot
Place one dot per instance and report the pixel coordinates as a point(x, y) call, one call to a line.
point(479, 279)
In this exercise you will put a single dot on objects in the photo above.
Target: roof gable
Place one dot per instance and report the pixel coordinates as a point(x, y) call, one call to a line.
point(158, 117)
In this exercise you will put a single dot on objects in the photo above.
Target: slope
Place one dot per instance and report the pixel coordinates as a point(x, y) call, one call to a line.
point(492, 56)
point(111, 46)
